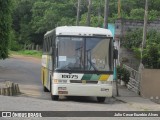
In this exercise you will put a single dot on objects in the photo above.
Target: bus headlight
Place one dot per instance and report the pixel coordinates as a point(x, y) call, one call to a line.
point(55, 81)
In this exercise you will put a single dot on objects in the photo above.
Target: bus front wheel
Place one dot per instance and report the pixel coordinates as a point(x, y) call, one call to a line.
point(101, 99)
point(55, 97)
point(45, 89)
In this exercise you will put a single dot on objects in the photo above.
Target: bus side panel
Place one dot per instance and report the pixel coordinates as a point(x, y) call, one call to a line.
point(44, 70)
point(49, 71)
point(42, 74)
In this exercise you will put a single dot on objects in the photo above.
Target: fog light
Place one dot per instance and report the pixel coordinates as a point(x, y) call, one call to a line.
point(55, 81)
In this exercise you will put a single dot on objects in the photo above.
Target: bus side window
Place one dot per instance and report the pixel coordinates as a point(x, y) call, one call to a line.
point(48, 45)
point(50, 41)
point(44, 45)
point(53, 42)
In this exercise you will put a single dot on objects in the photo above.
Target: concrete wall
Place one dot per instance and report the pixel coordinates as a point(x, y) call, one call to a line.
point(124, 25)
point(128, 58)
point(121, 27)
point(150, 83)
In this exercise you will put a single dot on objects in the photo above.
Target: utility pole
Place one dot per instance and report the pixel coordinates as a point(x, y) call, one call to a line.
point(115, 57)
point(89, 12)
point(99, 13)
point(121, 19)
point(115, 63)
point(144, 29)
point(106, 10)
point(119, 8)
point(141, 67)
point(145, 25)
point(78, 12)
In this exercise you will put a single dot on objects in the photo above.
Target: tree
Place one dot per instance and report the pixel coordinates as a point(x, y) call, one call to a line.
point(5, 27)
point(47, 15)
point(21, 24)
point(151, 54)
point(137, 14)
point(78, 12)
point(151, 57)
point(89, 13)
point(33, 18)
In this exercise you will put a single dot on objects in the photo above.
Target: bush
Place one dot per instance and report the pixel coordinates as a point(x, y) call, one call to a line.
point(30, 53)
point(137, 52)
point(5, 26)
point(123, 74)
point(132, 39)
point(151, 56)
point(13, 43)
point(151, 52)
point(15, 46)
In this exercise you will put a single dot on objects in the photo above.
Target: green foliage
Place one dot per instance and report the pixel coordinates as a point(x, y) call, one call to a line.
point(21, 24)
point(152, 15)
point(32, 18)
point(46, 15)
point(151, 53)
point(94, 22)
point(28, 53)
point(5, 26)
point(137, 52)
point(151, 57)
point(132, 39)
point(153, 36)
point(127, 6)
point(137, 14)
point(123, 74)
point(13, 44)
point(154, 5)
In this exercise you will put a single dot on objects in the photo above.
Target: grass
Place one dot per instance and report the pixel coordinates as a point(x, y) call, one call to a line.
point(32, 53)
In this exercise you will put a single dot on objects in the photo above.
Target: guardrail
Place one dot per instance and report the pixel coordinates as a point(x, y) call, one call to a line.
point(134, 81)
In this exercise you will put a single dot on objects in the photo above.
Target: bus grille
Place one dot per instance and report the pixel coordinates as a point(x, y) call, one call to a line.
point(87, 81)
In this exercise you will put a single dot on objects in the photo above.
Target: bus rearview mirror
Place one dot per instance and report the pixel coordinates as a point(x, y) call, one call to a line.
point(115, 54)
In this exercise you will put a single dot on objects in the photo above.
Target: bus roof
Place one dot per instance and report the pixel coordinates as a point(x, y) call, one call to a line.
point(82, 31)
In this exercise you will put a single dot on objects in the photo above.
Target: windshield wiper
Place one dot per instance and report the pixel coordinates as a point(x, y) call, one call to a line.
point(94, 67)
point(88, 52)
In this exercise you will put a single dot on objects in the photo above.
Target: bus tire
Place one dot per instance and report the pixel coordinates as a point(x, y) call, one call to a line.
point(55, 97)
point(50, 84)
point(45, 89)
point(101, 99)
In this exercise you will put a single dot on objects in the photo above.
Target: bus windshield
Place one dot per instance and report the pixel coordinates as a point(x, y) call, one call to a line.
point(83, 53)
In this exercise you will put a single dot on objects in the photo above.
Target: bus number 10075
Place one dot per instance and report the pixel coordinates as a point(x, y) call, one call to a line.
point(70, 76)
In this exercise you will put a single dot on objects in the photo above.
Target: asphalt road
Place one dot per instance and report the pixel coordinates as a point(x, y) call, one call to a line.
point(26, 72)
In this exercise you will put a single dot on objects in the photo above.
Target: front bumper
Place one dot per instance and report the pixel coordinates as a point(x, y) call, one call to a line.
point(99, 90)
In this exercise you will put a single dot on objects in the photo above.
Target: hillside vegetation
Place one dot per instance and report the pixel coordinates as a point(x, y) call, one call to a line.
point(24, 22)
point(151, 52)
point(32, 18)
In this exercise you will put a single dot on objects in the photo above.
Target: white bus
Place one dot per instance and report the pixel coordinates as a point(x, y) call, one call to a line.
point(78, 61)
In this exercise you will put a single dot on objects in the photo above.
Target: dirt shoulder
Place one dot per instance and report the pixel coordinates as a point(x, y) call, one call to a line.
point(28, 58)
